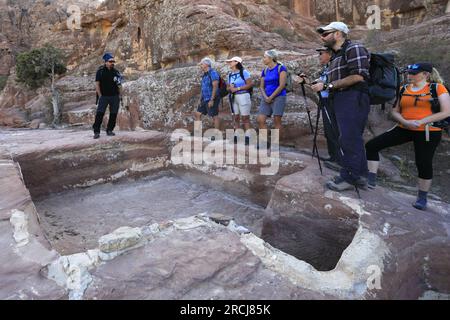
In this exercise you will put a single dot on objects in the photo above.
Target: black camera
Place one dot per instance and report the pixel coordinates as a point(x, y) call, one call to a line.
point(118, 80)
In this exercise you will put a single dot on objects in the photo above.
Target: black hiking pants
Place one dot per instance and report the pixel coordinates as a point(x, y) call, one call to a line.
point(424, 150)
point(113, 102)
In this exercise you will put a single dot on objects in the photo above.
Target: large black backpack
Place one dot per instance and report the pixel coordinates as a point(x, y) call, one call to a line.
point(435, 105)
point(384, 82)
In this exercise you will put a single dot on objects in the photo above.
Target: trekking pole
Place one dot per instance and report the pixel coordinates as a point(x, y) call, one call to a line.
point(315, 148)
point(334, 130)
point(307, 108)
point(230, 99)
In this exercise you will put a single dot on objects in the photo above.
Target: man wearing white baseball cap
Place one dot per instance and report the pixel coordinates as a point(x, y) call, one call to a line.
point(239, 84)
point(349, 97)
point(338, 26)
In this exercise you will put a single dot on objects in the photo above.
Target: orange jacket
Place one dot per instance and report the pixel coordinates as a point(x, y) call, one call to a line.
point(411, 109)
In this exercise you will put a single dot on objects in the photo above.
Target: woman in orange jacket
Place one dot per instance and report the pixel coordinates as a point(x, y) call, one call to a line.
point(415, 123)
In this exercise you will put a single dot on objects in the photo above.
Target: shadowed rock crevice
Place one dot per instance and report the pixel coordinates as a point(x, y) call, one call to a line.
point(316, 240)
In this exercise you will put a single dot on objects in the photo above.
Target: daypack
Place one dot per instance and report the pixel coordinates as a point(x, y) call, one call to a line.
point(223, 92)
point(117, 76)
point(384, 82)
point(435, 105)
point(289, 84)
point(241, 73)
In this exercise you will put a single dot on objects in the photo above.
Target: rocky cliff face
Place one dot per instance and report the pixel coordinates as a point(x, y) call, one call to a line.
point(146, 36)
point(157, 43)
point(394, 14)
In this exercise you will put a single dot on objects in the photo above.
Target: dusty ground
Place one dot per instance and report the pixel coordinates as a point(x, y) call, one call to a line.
point(74, 220)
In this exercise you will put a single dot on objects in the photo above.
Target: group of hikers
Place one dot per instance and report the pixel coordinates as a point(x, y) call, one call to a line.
point(239, 85)
point(343, 89)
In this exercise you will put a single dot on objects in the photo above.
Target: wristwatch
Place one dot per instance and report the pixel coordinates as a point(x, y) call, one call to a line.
point(329, 87)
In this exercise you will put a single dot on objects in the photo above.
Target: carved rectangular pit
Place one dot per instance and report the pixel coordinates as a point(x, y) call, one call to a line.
point(308, 225)
point(74, 220)
point(320, 241)
point(83, 190)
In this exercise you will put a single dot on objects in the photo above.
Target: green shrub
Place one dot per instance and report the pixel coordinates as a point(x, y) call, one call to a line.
point(34, 67)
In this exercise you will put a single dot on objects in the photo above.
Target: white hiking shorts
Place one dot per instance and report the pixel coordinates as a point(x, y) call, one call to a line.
point(242, 104)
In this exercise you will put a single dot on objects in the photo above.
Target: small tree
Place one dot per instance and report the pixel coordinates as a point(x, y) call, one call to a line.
point(36, 67)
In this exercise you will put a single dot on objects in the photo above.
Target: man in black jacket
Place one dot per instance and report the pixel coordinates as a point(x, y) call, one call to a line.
point(108, 84)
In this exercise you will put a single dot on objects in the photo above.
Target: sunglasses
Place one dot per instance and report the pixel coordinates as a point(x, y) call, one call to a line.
point(325, 34)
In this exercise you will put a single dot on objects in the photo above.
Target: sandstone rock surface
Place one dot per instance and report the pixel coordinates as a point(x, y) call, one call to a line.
point(393, 240)
point(309, 243)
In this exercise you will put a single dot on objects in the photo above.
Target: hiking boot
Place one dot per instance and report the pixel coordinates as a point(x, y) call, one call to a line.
point(96, 135)
point(339, 184)
point(420, 204)
point(360, 183)
point(332, 165)
point(371, 180)
point(110, 133)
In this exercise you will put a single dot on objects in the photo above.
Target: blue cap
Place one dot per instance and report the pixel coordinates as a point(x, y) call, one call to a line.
point(419, 67)
point(107, 56)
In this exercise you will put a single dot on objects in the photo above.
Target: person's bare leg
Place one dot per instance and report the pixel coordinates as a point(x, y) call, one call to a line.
point(277, 122)
point(246, 121)
point(424, 184)
point(217, 122)
point(262, 121)
point(373, 166)
point(237, 122)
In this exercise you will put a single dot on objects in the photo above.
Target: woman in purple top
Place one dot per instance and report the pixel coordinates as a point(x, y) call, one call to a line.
point(273, 83)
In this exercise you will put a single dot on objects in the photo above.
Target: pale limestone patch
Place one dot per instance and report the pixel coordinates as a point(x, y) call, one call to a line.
point(19, 220)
